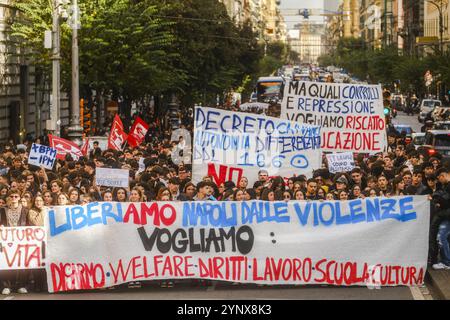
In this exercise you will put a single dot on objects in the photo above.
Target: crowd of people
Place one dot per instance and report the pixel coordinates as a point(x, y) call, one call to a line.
point(26, 190)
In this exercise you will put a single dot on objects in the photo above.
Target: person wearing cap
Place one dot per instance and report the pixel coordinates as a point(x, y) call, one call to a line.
point(341, 183)
point(442, 175)
point(431, 185)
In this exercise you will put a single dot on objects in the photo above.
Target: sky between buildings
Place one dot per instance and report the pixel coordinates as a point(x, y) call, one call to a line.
point(329, 5)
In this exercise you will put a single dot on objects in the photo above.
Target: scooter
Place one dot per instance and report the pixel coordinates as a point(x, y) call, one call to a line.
point(394, 113)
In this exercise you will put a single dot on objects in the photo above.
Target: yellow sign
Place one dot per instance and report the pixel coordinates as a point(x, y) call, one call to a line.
point(427, 40)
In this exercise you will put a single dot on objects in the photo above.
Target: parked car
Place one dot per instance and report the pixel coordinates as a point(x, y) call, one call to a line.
point(441, 113)
point(437, 141)
point(405, 128)
point(427, 106)
point(418, 139)
point(441, 125)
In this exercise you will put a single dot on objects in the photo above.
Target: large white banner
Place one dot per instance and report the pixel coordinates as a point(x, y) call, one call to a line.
point(351, 115)
point(371, 241)
point(229, 145)
point(22, 248)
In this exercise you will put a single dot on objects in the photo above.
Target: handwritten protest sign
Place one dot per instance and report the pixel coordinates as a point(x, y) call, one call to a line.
point(351, 115)
point(358, 242)
point(340, 162)
point(22, 248)
point(229, 145)
point(42, 156)
point(112, 177)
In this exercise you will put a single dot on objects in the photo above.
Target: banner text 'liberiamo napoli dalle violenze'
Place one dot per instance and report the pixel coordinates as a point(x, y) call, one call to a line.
point(381, 240)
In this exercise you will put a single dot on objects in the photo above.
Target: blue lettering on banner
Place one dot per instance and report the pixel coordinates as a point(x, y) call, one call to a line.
point(79, 217)
point(226, 214)
point(376, 209)
point(299, 161)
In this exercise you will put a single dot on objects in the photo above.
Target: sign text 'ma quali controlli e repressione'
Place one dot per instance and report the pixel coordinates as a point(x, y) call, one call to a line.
point(351, 115)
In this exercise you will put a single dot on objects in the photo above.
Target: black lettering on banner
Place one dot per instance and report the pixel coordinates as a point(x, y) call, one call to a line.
point(181, 240)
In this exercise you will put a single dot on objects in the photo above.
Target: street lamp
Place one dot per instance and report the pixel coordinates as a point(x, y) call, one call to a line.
point(75, 129)
point(59, 11)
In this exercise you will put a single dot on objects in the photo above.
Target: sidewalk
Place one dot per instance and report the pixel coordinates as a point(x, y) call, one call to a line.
point(440, 280)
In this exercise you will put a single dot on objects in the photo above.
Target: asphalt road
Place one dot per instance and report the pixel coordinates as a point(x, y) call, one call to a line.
point(402, 118)
point(226, 291)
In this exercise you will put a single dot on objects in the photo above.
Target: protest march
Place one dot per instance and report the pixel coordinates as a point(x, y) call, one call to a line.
point(326, 194)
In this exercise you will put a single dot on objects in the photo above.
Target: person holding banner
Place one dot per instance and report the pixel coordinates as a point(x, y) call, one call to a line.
point(36, 217)
point(14, 215)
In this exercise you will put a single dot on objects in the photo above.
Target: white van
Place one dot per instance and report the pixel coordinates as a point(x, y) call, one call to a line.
point(427, 106)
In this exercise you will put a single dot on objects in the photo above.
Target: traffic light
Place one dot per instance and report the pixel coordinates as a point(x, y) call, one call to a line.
point(387, 105)
point(86, 116)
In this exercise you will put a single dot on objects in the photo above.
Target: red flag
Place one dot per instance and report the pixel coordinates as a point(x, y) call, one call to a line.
point(64, 147)
point(117, 136)
point(137, 132)
point(85, 147)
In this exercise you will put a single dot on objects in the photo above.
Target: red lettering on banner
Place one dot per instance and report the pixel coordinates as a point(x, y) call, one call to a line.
point(132, 211)
point(151, 211)
point(67, 277)
point(166, 214)
point(136, 267)
point(177, 262)
point(188, 266)
point(223, 170)
point(17, 255)
point(203, 269)
point(32, 254)
point(352, 141)
point(119, 271)
point(413, 275)
point(167, 269)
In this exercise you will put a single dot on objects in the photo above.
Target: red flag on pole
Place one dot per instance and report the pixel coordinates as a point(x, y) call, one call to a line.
point(64, 147)
point(137, 132)
point(117, 136)
point(85, 147)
